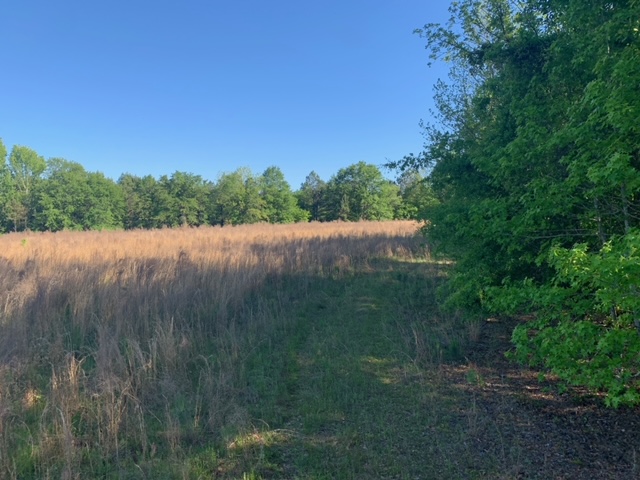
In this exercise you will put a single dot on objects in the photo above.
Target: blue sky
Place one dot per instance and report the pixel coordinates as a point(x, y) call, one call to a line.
point(209, 86)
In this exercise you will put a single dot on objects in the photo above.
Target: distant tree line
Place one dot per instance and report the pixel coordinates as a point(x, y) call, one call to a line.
point(57, 194)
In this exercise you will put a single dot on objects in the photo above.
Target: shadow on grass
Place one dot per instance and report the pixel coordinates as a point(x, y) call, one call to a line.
point(366, 400)
point(373, 396)
point(350, 371)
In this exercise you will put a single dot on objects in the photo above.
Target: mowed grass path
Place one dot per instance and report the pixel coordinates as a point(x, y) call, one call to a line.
point(368, 379)
point(341, 391)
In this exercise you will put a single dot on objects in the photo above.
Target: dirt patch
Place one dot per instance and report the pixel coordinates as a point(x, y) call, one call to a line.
point(537, 431)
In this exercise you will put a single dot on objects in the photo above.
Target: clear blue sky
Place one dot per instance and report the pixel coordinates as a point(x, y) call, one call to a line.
point(207, 86)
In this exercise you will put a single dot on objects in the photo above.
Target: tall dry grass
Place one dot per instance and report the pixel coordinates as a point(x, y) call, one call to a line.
point(118, 347)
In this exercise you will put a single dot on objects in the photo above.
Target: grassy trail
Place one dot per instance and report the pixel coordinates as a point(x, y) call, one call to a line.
point(340, 393)
point(369, 381)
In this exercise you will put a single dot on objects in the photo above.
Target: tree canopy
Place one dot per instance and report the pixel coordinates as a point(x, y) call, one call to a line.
point(58, 194)
point(534, 160)
point(360, 192)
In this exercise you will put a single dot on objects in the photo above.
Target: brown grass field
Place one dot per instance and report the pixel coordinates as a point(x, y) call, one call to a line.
point(125, 346)
point(308, 351)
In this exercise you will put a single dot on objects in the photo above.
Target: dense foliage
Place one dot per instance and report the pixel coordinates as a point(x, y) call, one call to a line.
point(56, 194)
point(534, 155)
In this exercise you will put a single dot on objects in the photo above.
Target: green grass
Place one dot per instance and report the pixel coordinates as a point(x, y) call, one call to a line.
point(338, 380)
point(342, 392)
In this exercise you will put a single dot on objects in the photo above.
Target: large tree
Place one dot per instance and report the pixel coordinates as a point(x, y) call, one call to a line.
point(69, 197)
point(62, 196)
point(312, 196)
point(535, 163)
point(189, 195)
point(280, 203)
point(360, 192)
point(24, 170)
point(235, 199)
point(417, 196)
point(140, 201)
point(227, 199)
point(104, 208)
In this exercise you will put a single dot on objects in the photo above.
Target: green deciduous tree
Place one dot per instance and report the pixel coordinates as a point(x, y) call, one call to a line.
point(312, 197)
point(236, 199)
point(105, 203)
point(69, 197)
point(534, 159)
point(139, 201)
point(189, 194)
point(417, 196)
point(280, 203)
point(254, 207)
point(62, 196)
point(227, 199)
point(24, 169)
point(360, 192)
point(179, 200)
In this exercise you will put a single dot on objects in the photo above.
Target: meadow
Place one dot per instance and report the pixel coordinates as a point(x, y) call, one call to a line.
point(118, 348)
point(267, 351)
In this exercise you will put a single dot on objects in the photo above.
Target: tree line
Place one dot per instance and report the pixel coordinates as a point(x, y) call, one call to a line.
point(534, 156)
point(57, 194)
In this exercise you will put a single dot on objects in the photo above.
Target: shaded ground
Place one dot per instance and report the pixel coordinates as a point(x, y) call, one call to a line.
point(549, 434)
point(370, 381)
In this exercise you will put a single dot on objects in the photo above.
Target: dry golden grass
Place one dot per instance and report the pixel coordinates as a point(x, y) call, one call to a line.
point(128, 280)
point(114, 341)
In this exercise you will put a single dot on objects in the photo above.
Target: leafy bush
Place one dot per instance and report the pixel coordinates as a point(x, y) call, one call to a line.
point(586, 329)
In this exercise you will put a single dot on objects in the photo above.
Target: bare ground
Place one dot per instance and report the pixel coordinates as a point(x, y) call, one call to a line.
point(537, 431)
